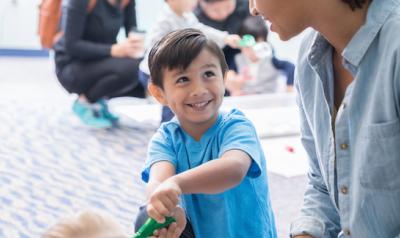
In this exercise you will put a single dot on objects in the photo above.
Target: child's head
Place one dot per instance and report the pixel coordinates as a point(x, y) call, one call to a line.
point(87, 224)
point(254, 26)
point(182, 6)
point(187, 74)
point(218, 10)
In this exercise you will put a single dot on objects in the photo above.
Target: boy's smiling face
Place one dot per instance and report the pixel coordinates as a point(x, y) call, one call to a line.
point(195, 93)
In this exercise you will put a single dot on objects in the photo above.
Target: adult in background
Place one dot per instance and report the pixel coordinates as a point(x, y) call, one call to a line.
point(224, 15)
point(348, 84)
point(90, 62)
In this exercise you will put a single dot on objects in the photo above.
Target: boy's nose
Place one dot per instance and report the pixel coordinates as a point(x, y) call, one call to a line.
point(199, 89)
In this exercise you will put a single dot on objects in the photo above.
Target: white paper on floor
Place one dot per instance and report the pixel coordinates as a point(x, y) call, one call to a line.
point(285, 156)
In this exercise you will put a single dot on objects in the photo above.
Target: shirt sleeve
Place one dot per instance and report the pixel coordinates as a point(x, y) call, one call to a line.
point(130, 17)
point(159, 149)
point(240, 134)
point(73, 31)
point(318, 216)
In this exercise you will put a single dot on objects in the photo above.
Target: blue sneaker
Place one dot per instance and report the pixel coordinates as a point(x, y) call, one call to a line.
point(106, 112)
point(88, 115)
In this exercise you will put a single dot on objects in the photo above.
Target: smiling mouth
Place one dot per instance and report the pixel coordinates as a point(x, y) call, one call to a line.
point(199, 105)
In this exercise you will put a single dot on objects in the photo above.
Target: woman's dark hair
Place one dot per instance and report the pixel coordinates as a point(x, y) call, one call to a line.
point(177, 50)
point(255, 26)
point(354, 4)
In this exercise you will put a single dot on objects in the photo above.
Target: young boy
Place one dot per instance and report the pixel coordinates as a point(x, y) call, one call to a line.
point(209, 160)
point(258, 67)
point(88, 224)
point(179, 15)
point(348, 87)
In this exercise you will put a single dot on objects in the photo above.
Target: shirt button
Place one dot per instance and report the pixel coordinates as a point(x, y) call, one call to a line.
point(344, 105)
point(346, 232)
point(344, 189)
point(344, 146)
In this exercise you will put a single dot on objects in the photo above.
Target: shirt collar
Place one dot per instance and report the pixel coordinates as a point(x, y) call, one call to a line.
point(378, 12)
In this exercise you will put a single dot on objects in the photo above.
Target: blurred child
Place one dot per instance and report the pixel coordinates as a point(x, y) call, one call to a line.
point(209, 160)
point(88, 224)
point(179, 15)
point(258, 68)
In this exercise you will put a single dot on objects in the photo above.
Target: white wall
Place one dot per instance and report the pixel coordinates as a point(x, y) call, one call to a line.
point(19, 20)
point(18, 24)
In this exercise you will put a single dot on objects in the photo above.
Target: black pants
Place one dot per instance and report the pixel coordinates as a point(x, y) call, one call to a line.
point(107, 77)
point(142, 217)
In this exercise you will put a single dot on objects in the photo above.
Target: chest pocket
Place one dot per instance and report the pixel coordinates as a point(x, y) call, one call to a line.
point(380, 153)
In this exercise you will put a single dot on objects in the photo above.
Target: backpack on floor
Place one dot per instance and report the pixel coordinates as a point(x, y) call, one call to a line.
point(49, 20)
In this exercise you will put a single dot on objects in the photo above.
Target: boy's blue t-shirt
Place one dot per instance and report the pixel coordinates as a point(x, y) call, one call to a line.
point(243, 211)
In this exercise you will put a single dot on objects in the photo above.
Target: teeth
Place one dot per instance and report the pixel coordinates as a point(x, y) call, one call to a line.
point(199, 104)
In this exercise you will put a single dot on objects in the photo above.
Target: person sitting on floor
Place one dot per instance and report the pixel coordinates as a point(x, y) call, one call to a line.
point(91, 63)
point(258, 68)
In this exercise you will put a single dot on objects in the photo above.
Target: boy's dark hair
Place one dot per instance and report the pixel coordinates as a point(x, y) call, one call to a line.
point(354, 4)
point(255, 26)
point(177, 50)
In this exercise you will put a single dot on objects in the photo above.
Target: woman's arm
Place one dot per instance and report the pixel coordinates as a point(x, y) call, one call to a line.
point(76, 16)
point(130, 20)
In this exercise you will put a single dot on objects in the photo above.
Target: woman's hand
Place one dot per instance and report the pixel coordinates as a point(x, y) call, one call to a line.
point(132, 47)
point(176, 228)
point(164, 200)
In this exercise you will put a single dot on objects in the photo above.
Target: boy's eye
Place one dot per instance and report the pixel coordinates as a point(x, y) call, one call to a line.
point(182, 80)
point(209, 74)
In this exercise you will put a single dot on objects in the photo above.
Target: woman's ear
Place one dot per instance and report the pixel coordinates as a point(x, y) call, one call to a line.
point(157, 93)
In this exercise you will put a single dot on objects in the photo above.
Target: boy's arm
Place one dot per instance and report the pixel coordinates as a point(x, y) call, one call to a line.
point(215, 176)
point(212, 177)
point(159, 172)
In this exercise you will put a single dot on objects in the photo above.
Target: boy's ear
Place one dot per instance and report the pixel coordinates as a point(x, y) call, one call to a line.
point(157, 93)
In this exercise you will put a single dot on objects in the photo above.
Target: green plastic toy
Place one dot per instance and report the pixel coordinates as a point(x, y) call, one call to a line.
point(247, 41)
point(150, 226)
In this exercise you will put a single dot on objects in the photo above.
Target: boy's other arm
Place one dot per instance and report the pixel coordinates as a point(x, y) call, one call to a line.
point(159, 172)
point(215, 176)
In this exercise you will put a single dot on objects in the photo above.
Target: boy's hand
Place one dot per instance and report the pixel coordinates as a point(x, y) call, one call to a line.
point(232, 40)
point(164, 200)
point(175, 229)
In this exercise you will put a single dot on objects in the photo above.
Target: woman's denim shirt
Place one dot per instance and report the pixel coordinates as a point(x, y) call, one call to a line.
point(354, 176)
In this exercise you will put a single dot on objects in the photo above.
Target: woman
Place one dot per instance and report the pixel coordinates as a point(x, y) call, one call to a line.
point(348, 84)
point(90, 62)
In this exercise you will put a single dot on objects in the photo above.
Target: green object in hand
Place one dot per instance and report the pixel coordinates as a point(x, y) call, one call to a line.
point(151, 225)
point(247, 41)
